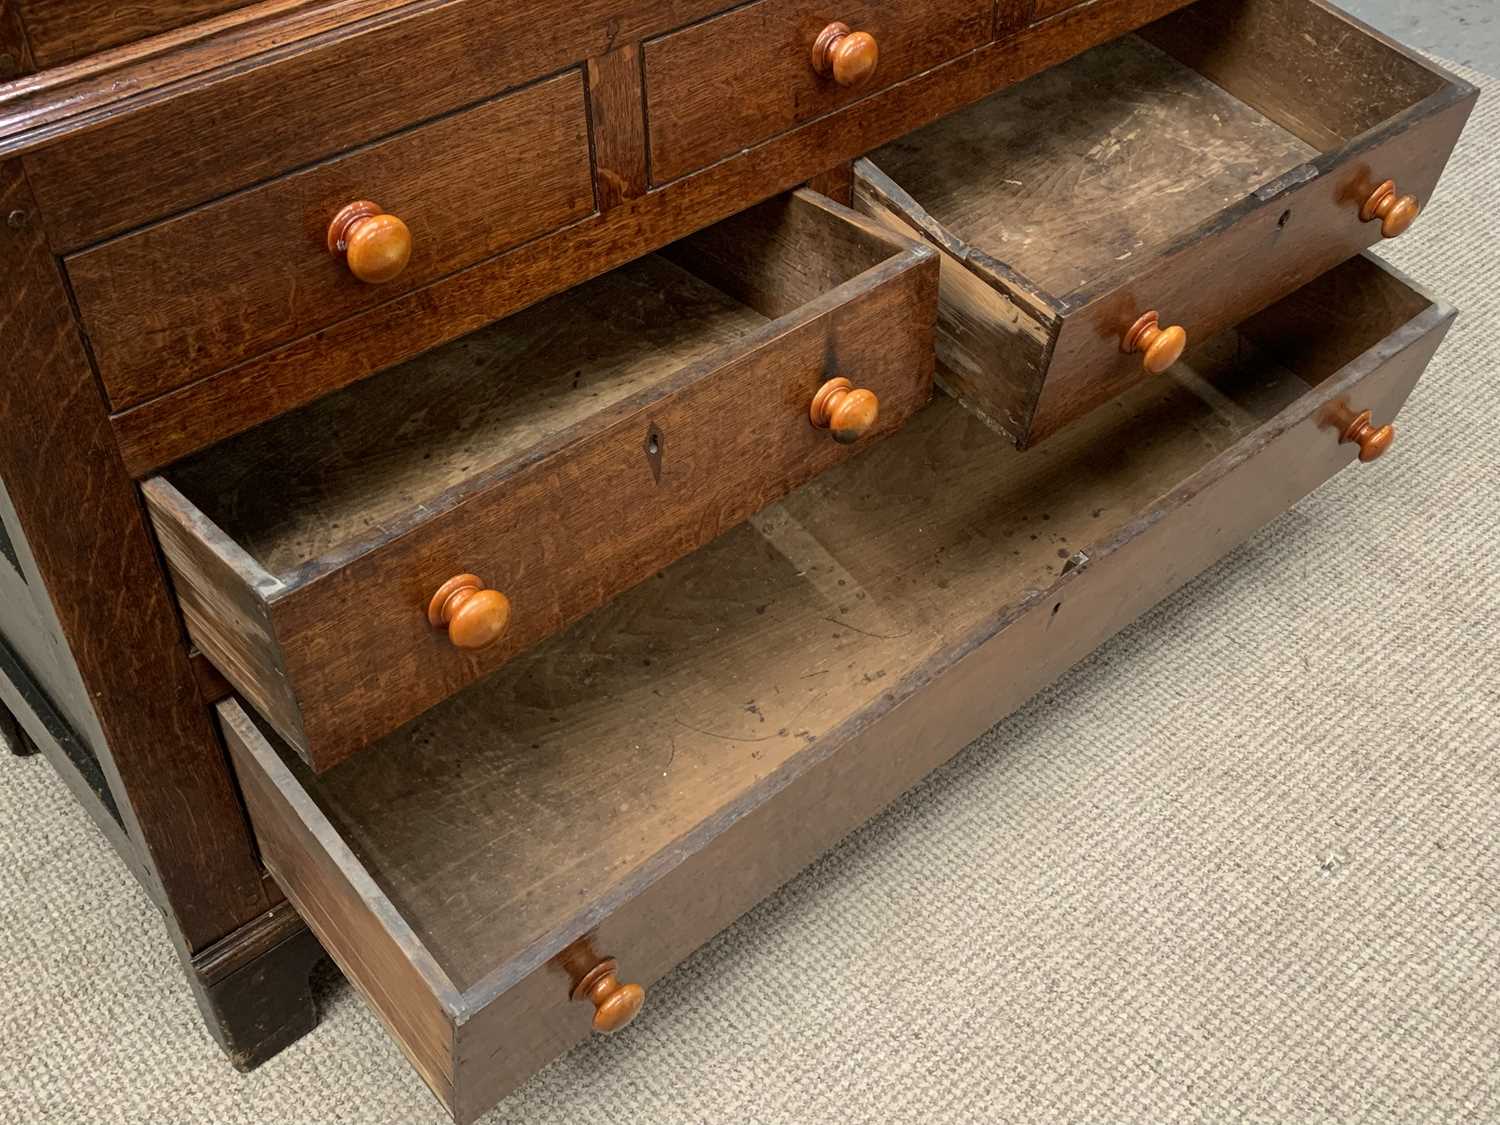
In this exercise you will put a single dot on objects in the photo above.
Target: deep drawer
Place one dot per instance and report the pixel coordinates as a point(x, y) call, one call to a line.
point(740, 78)
point(1159, 188)
point(637, 783)
point(561, 456)
point(195, 294)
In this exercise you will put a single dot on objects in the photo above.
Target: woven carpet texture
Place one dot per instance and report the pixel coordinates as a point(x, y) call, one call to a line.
point(1242, 864)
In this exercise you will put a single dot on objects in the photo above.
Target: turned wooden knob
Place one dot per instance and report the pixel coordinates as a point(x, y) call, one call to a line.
point(377, 246)
point(1373, 440)
point(474, 617)
point(848, 412)
point(849, 56)
point(615, 1004)
point(1395, 212)
point(1160, 347)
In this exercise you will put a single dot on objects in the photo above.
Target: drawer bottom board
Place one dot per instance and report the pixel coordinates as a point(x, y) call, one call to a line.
point(648, 776)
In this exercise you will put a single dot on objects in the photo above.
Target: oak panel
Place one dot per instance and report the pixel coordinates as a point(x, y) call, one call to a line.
point(562, 456)
point(1201, 170)
point(184, 421)
point(733, 81)
point(649, 775)
point(195, 294)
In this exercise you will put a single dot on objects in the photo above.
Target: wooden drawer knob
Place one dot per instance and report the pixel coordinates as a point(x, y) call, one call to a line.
point(474, 617)
point(615, 1004)
point(1160, 347)
point(849, 412)
point(1374, 441)
point(1395, 212)
point(377, 246)
point(849, 56)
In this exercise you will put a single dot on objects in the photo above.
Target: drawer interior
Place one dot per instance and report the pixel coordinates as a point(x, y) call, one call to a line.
point(506, 821)
point(304, 493)
point(1073, 174)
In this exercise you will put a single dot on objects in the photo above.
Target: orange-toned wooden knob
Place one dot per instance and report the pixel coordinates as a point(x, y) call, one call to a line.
point(850, 57)
point(474, 617)
point(1395, 212)
point(1374, 441)
point(1160, 347)
point(377, 246)
point(615, 1004)
point(848, 412)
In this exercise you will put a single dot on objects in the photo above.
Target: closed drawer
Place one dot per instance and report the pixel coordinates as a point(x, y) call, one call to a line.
point(559, 456)
point(645, 778)
point(193, 295)
point(1157, 189)
point(740, 78)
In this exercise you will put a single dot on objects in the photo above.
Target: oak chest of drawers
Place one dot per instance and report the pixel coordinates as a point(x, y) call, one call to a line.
point(532, 532)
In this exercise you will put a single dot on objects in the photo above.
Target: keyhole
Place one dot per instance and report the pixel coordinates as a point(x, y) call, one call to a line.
point(653, 451)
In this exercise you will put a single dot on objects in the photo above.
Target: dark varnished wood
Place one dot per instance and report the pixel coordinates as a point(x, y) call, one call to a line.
point(86, 533)
point(15, 49)
point(188, 297)
point(664, 405)
point(743, 77)
point(711, 732)
point(243, 119)
point(253, 989)
point(1056, 247)
point(63, 30)
point(617, 111)
point(174, 425)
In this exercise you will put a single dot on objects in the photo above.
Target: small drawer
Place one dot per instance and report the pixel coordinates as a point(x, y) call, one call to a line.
point(740, 78)
point(1155, 190)
point(629, 788)
point(349, 565)
point(195, 294)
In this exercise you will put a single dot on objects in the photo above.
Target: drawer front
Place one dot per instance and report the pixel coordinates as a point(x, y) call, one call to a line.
point(615, 833)
point(1272, 126)
point(1279, 240)
point(338, 649)
point(59, 31)
point(198, 293)
point(741, 78)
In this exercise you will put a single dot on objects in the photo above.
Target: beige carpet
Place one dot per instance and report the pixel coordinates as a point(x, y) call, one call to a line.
point(1240, 865)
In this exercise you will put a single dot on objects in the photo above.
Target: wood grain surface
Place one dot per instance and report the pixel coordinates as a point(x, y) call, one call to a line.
point(617, 111)
point(1089, 163)
point(105, 590)
point(191, 418)
point(596, 460)
point(193, 295)
point(242, 120)
point(1050, 195)
point(682, 751)
point(63, 30)
point(733, 81)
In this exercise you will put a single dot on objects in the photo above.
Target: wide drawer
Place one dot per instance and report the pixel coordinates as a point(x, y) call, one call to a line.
point(740, 78)
point(1157, 189)
point(193, 295)
point(634, 785)
point(556, 458)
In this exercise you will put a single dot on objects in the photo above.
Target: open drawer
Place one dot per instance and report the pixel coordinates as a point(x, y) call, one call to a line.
point(496, 875)
point(1155, 190)
point(349, 565)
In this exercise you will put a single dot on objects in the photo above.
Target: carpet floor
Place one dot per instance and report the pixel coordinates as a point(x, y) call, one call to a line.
point(1242, 864)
